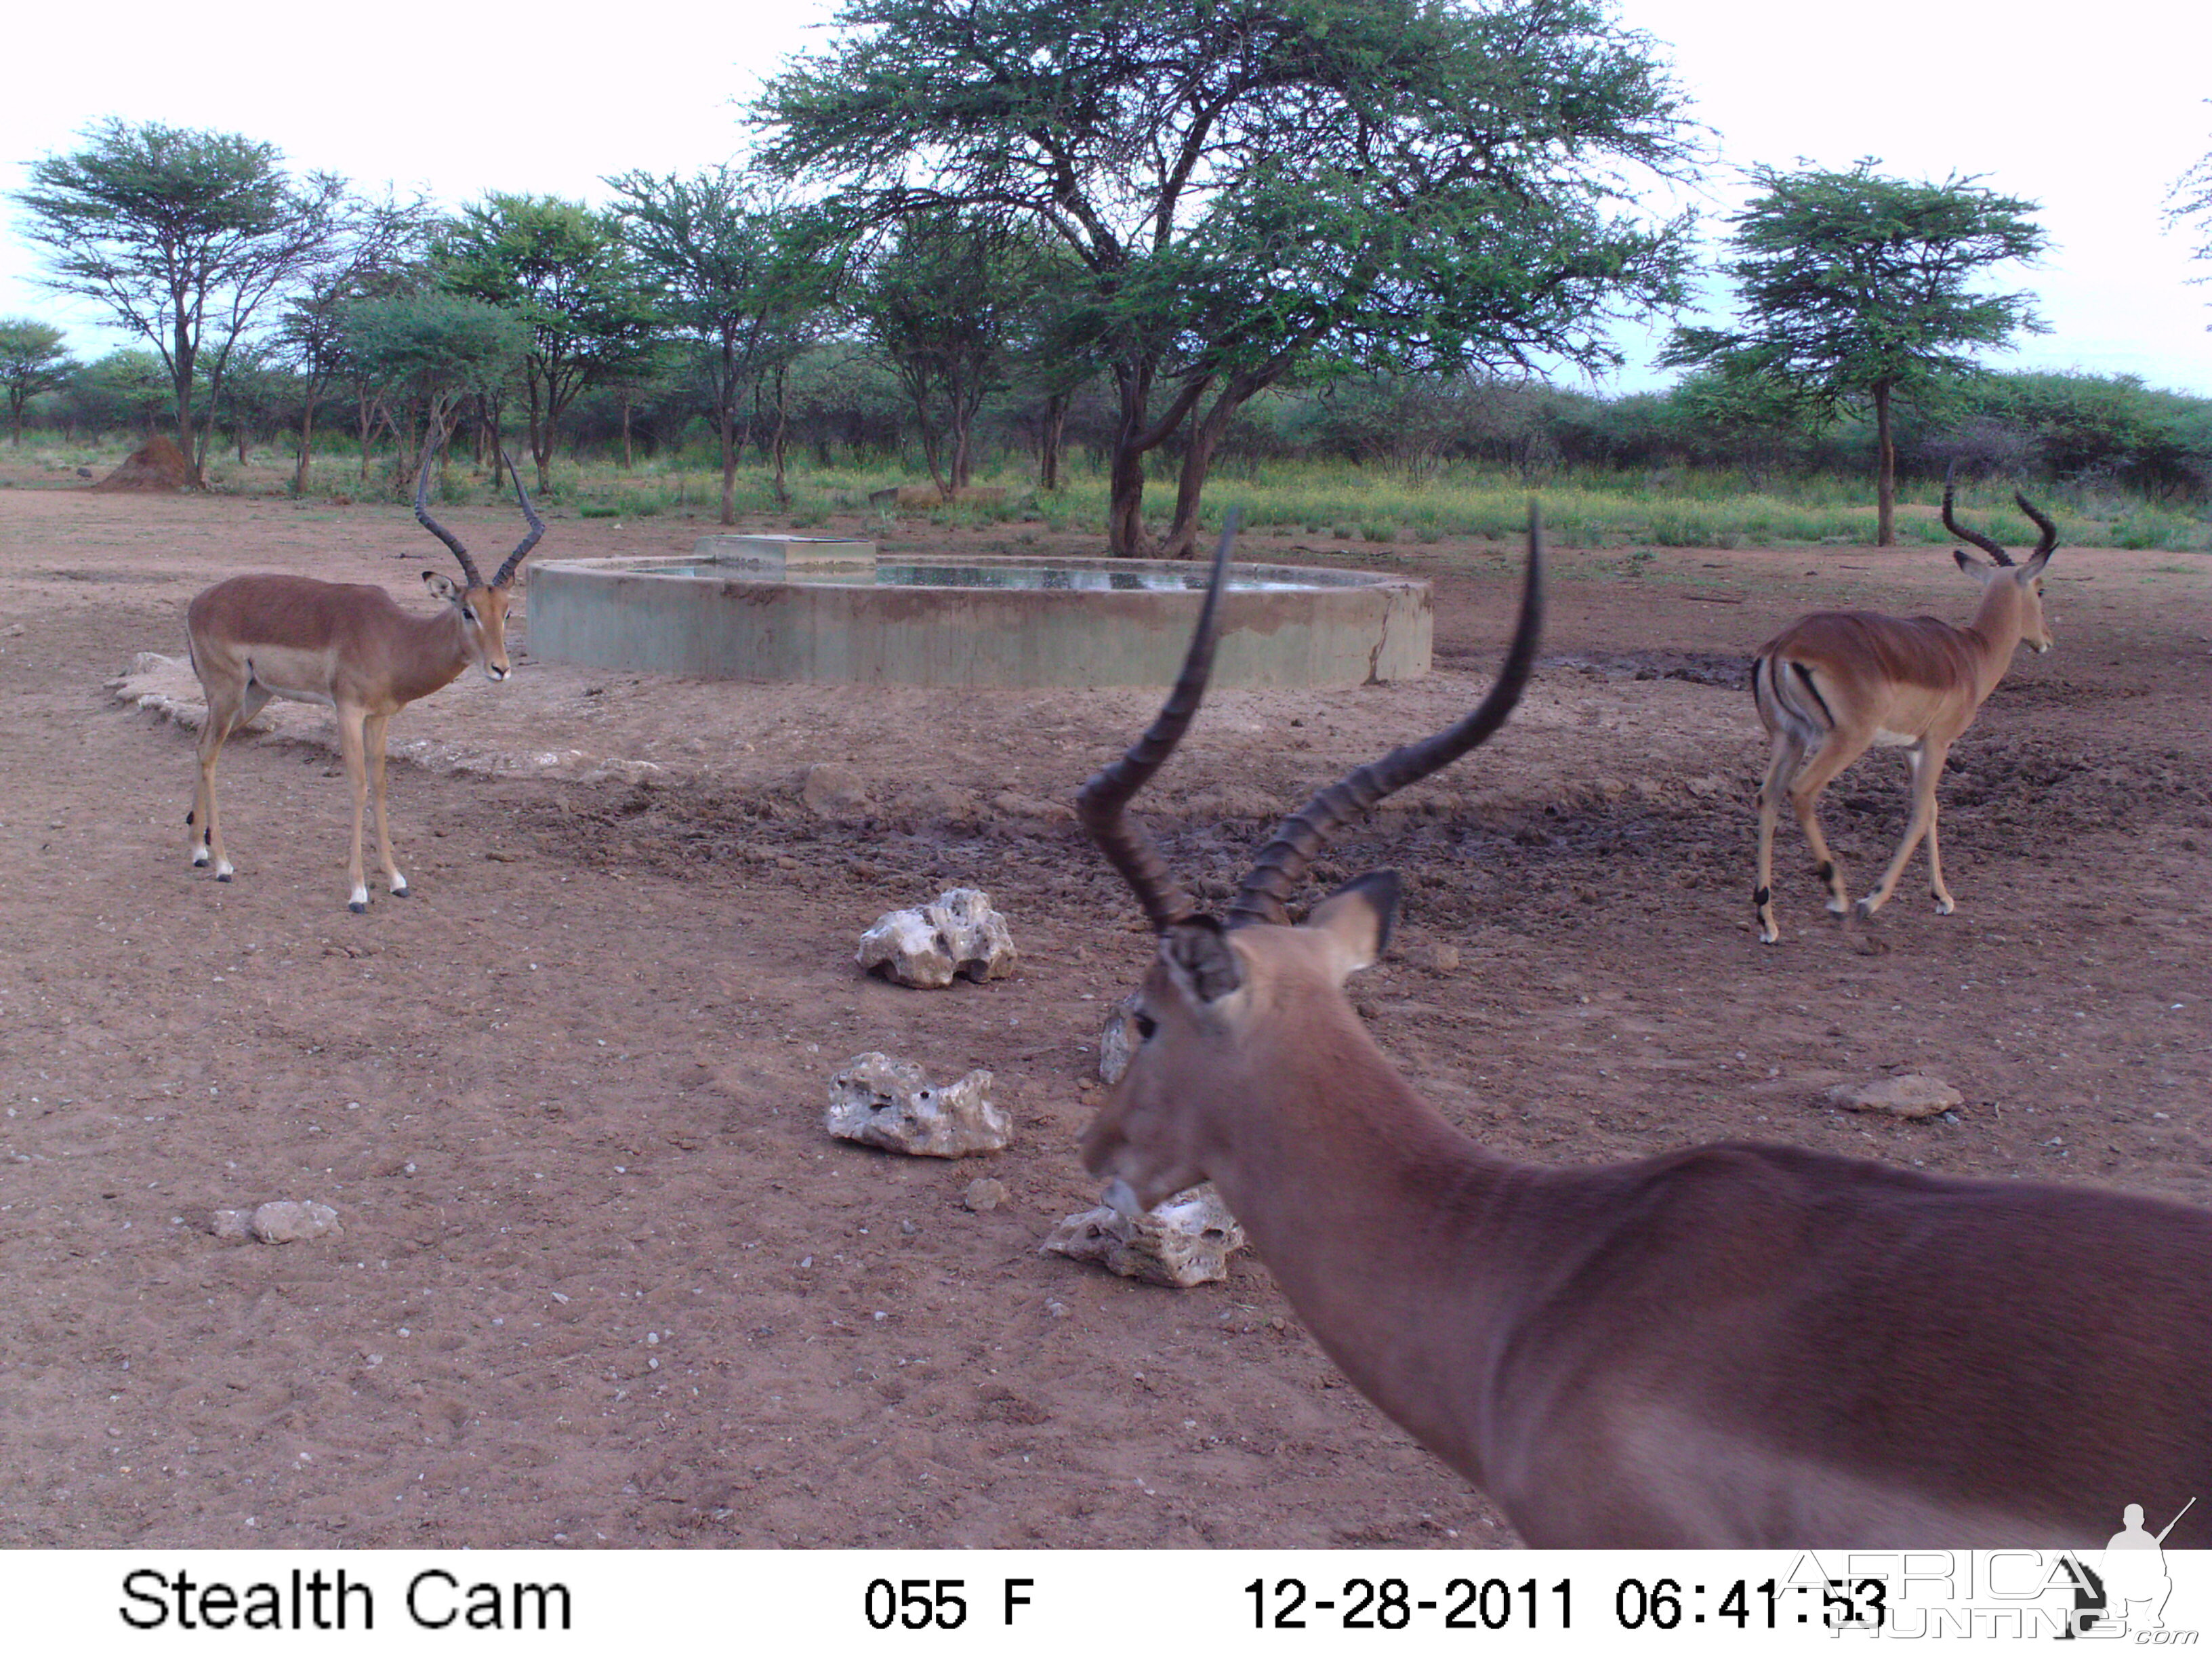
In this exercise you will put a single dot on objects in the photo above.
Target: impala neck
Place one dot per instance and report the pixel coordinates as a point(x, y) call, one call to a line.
point(1998, 625)
point(1403, 1245)
point(432, 652)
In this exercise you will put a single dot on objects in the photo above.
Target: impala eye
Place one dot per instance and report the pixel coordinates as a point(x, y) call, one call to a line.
point(1145, 1026)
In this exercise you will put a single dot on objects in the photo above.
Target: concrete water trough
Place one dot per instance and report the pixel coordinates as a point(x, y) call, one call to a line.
point(831, 612)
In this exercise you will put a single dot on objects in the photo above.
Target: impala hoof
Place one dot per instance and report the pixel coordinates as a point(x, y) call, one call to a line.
point(1864, 909)
point(1944, 906)
point(1770, 936)
point(223, 875)
point(359, 907)
point(199, 858)
point(402, 890)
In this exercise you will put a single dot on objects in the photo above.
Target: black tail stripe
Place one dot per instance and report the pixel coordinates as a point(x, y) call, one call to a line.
point(1805, 675)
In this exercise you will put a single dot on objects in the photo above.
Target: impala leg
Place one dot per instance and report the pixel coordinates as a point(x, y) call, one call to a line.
point(1927, 767)
point(203, 828)
point(1937, 889)
point(1787, 755)
point(373, 731)
point(350, 747)
point(1832, 757)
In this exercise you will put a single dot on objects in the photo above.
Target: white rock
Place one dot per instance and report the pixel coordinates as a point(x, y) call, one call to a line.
point(959, 936)
point(1910, 1095)
point(881, 1102)
point(285, 1221)
point(1187, 1240)
point(231, 1224)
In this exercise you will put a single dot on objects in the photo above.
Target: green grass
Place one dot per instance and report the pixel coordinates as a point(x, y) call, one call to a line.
point(1334, 504)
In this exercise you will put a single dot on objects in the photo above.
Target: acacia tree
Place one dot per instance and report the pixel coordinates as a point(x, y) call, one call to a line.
point(946, 303)
point(32, 359)
point(741, 273)
point(427, 354)
point(1248, 185)
point(184, 236)
point(1855, 290)
point(563, 270)
point(374, 253)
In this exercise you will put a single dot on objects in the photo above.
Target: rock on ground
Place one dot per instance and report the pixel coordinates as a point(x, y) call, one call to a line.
point(881, 1102)
point(1910, 1095)
point(1187, 1240)
point(281, 1221)
point(959, 936)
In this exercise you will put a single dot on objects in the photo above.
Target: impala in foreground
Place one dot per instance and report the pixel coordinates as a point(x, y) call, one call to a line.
point(1730, 1346)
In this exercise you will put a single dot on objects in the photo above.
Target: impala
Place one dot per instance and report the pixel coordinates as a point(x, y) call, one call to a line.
point(1838, 683)
point(1734, 1346)
point(349, 646)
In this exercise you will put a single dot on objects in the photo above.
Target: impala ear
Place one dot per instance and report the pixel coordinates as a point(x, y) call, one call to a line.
point(1357, 919)
point(1197, 953)
point(1979, 569)
point(442, 587)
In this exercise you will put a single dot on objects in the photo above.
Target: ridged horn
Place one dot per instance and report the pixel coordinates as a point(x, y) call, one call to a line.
point(1302, 837)
point(430, 453)
point(1965, 534)
point(1102, 805)
point(536, 527)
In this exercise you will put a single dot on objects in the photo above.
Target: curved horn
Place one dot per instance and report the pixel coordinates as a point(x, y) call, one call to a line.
point(1965, 534)
point(422, 512)
point(2049, 537)
point(1301, 835)
point(536, 527)
point(1127, 844)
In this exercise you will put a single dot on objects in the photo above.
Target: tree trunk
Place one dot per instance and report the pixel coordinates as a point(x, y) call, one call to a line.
point(305, 461)
point(1197, 460)
point(181, 364)
point(629, 462)
point(1885, 496)
point(1049, 438)
point(728, 422)
point(782, 494)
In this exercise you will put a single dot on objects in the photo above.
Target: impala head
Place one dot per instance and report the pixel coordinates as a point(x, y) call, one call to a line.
point(1230, 1004)
point(483, 604)
point(2023, 582)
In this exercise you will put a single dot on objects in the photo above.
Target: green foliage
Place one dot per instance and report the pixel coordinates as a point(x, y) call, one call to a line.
point(432, 349)
point(564, 272)
point(183, 235)
point(1855, 288)
point(947, 303)
point(744, 276)
point(2081, 428)
point(126, 389)
point(32, 359)
point(1850, 283)
point(1245, 184)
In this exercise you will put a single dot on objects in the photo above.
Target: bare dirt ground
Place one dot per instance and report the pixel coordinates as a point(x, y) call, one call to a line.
point(602, 1278)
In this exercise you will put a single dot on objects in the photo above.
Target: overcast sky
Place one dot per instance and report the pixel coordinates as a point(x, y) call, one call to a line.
point(2093, 110)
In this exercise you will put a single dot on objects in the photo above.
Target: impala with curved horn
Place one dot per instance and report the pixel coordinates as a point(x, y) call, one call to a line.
point(1735, 1345)
point(349, 647)
point(1838, 683)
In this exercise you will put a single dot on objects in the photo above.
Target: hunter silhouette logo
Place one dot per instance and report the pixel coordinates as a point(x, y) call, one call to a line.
point(2136, 1583)
point(2126, 1591)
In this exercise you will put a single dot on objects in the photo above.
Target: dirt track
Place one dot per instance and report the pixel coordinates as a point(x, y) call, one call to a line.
point(603, 1279)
